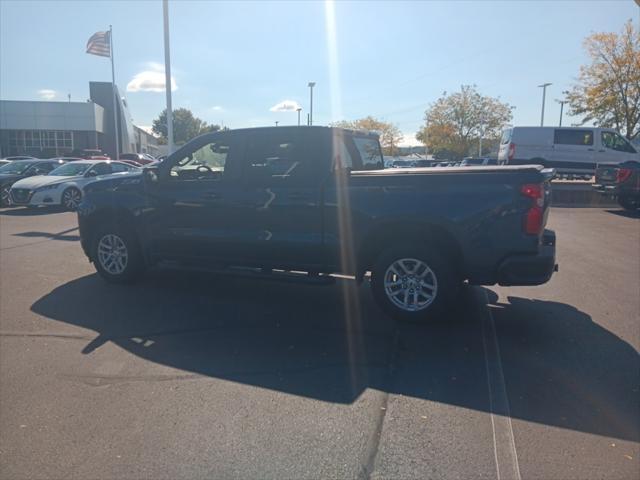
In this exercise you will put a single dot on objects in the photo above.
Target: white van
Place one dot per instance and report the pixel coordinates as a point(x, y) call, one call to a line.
point(567, 149)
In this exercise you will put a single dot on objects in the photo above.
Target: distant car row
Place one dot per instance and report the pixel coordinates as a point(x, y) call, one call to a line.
point(53, 182)
point(420, 163)
point(136, 159)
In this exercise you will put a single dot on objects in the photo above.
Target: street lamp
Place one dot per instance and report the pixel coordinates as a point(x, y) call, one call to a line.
point(544, 94)
point(277, 123)
point(561, 102)
point(299, 109)
point(311, 85)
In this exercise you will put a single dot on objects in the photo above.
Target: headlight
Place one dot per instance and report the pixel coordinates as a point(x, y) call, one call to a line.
point(48, 187)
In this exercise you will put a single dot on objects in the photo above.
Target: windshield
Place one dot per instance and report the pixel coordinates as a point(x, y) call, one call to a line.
point(15, 168)
point(71, 170)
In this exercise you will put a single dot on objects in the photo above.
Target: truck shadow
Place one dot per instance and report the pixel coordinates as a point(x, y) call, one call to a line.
point(331, 343)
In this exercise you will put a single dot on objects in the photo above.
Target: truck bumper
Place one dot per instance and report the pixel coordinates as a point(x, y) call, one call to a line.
point(530, 269)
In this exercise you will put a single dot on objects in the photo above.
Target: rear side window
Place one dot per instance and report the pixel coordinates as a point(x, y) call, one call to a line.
point(368, 151)
point(573, 137)
point(102, 169)
point(272, 156)
point(506, 136)
point(615, 142)
point(119, 167)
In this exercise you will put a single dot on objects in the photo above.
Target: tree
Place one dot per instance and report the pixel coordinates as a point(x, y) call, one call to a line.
point(455, 122)
point(607, 91)
point(185, 126)
point(390, 135)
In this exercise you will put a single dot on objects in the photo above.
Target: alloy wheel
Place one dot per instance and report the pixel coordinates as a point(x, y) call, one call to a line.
point(113, 254)
point(410, 284)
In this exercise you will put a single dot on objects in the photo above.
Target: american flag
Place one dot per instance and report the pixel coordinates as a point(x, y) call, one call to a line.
point(99, 44)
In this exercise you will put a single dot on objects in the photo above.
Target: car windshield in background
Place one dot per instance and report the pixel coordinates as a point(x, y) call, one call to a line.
point(70, 170)
point(15, 168)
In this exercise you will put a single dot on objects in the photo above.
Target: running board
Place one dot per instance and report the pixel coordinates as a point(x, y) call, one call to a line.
point(259, 273)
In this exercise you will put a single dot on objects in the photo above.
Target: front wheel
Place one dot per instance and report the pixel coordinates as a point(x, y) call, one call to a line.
point(5, 196)
point(71, 198)
point(116, 255)
point(414, 283)
point(629, 203)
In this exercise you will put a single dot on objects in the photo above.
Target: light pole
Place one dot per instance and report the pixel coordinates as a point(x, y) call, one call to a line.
point(561, 102)
point(299, 109)
point(544, 94)
point(167, 76)
point(311, 85)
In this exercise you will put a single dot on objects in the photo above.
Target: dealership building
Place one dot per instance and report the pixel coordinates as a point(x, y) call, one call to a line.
point(48, 129)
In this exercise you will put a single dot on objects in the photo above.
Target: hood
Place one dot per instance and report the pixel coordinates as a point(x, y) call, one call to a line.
point(116, 181)
point(42, 180)
point(9, 177)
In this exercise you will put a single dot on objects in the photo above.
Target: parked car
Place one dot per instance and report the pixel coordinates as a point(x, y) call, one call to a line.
point(139, 158)
point(621, 181)
point(483, 161)
point(19, 157)
point(567, 149)
point(63, 186)
point(318, 200)
point(90, 154)
point(16, 170)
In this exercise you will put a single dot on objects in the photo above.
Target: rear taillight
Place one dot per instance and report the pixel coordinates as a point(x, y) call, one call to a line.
point(512, 151)
point(623, 175)
point(534, 216)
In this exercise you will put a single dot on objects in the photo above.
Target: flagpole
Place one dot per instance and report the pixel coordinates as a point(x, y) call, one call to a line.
point(113, 94)
point(167, 76)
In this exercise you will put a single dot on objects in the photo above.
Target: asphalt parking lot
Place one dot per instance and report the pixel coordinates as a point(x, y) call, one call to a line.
point(199, 376)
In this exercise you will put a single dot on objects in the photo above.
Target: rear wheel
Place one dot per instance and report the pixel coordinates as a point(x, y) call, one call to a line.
point(414, 283)
point(629, 203)
point(71, 198)
point(116, 255)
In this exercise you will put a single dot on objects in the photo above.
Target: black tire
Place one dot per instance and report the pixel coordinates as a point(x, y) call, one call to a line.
point(629, 203)
point(442, 269)
point(5, 196)
point(68, 198)
point(133, 266)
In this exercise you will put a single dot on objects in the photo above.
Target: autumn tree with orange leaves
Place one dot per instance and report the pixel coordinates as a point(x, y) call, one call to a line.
point(607, 91)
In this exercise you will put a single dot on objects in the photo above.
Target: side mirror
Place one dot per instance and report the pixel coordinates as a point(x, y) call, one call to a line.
point(150, 176)
point(92, 173)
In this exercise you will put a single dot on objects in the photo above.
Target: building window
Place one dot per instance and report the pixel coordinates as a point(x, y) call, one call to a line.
point(41, 139)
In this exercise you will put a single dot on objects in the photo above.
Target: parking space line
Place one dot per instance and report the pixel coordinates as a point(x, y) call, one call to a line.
point(506, 455)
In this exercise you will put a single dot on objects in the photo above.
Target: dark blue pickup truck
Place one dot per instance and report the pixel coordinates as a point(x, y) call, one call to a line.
point(271, 201)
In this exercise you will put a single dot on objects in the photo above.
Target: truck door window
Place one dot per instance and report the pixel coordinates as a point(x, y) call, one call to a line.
point(615, 142)
point(573, 137)
point(208, 162)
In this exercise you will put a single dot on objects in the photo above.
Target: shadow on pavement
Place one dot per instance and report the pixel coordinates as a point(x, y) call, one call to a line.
point(625, 213)
point(562, 369)
point(53, 236)
point(30, 212)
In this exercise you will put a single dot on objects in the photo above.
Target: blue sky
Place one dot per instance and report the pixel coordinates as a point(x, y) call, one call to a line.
point(233, 61)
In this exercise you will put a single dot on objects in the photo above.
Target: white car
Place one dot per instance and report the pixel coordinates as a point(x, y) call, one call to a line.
point(567, 149)
point(63, 186)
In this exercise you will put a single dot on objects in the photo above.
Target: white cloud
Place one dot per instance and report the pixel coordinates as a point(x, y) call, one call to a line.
point(217, 108)
point(47, 94)
point(150, 80)
point(285, 106)
point(409, 140)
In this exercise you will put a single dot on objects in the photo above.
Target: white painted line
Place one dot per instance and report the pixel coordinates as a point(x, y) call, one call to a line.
point(504, 444)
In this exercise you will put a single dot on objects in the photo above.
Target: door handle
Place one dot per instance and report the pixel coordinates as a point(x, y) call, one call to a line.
point(297, 196)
